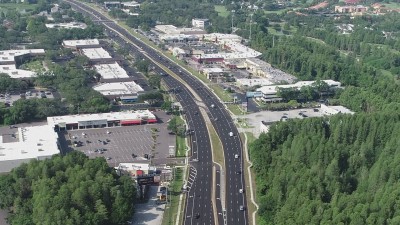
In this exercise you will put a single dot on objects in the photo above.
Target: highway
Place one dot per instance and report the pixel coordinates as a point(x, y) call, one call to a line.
point(200, 178)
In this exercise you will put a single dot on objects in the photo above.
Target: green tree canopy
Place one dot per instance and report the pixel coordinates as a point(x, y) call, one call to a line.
point(68, 190)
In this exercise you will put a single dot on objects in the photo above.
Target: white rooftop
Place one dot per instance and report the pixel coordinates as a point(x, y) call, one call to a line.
point(134, 166)
point(213, 70)
point(219, 37)
point(77, 43)
point(15, 73)
point(96, 53)
point(125, 115)
point(272, 89)
point(67, 25)
point(130, 4)
point(253, 82)
point(121, 88)
point(33, 143)
point(111, 71)
point(8, 55)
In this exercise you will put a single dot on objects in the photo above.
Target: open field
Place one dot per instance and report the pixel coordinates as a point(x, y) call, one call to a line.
point(221, 10)
point(4, 7)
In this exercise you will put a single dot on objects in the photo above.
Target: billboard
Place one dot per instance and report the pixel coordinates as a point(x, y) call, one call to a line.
point(254, 94)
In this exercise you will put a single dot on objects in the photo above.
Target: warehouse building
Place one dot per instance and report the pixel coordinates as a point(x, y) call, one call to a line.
point(25, 144)
point(253, 82)
point(101, 120)
point(127, 92)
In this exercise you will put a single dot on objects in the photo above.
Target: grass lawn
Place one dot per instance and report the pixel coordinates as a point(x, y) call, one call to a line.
point(217, 146)
point(4, 7)
point(221, 10)
point(35, 66)
point(180, 146)
point(276, 11)
point(392, 5)
point(174, 192)
point(236, 109)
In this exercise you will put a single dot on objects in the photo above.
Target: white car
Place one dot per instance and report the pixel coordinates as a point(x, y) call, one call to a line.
point(236, 156)
point(240, 191)
point(231, 134)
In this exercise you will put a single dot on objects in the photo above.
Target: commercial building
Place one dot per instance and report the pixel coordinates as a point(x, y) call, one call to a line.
point(200, 23)
point(111, 72)
point(173, 38)
point(261, 68)
point(100, 120)
point(10, 60)
point(97, 55)
point(253, 82)
point(173, 30)
point(79, 44)
point(351, 9)
point(113, 4)
point(128, 92)
point(212, 73)
point(269, 93)
point(71, 25)
point(37, 142)
point(232, 45)
point(332, 110)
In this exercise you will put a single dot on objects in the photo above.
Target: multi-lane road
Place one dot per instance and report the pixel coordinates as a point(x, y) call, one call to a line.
point(199, 205)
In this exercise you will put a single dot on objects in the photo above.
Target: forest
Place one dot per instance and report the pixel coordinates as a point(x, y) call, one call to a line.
point(336, 170)
point(68, 190)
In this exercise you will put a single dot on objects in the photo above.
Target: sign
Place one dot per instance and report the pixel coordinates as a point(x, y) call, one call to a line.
point(171, 151)
point(255, 94)
point(145, 180)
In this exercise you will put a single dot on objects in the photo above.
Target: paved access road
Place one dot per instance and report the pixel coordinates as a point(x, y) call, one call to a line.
point(200, 183)
point(221, 120)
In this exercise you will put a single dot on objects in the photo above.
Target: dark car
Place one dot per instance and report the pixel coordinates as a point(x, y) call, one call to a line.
point(197, 215)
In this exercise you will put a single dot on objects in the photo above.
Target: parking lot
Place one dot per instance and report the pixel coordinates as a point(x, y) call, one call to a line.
point(10, 98)
point(124, 144)
point(254, 120)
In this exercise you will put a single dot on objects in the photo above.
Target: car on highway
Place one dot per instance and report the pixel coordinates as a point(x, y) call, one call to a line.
point(241, 208)
point(241, 191)
point(197, 215)
point(236, 156)
point(231, 134)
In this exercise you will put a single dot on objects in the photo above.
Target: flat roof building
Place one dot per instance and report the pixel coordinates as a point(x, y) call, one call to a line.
point(97, 55)
point(261, 68)
point(200, 23)
point(120, 89)
point(173, 30)
point(71, 25)
point(253, 82)
point(15, 73)
point(112, 71)
point(100, 120)
point(78, 44)
point(37, 142)
point(11, 59)
point(269, 93)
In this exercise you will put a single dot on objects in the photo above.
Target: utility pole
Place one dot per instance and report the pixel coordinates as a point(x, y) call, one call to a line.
point(251, 22)
point(233, 11)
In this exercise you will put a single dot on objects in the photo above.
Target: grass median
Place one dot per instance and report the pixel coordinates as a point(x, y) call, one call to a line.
point(173, 201)
point(251, 208)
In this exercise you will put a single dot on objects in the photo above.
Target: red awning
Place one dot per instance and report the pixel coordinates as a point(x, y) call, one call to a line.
point(130, 122)
point(152, 120)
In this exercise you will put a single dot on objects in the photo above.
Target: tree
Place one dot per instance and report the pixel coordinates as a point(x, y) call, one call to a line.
point(155, 81)
point(71, 189)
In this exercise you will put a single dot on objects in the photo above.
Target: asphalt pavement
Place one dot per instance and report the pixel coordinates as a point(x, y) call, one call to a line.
point(200, 144)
